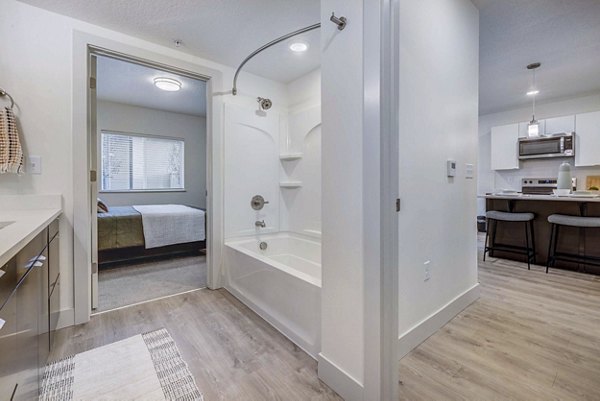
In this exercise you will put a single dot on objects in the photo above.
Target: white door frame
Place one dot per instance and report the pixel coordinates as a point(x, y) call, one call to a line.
point(380, 183)
point(83, 44)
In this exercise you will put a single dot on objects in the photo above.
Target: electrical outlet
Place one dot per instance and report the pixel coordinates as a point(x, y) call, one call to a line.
point(427, 266)
point(35, 165)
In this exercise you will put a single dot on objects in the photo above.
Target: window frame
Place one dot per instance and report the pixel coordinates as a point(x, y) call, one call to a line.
point(137, 134)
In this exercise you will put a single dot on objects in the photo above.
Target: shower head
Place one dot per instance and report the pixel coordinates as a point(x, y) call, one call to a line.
point(265, 104)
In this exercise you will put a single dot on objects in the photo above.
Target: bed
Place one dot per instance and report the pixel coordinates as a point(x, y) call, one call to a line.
point(122, 234)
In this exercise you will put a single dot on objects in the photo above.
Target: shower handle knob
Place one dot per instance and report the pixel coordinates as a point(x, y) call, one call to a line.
point(258, 202)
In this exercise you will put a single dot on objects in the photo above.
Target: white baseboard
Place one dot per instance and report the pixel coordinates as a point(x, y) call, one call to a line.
point(66, 318)
point(340, 381)
point(411, 338)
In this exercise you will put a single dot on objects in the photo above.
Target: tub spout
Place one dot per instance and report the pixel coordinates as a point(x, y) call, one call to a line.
point(261, 224)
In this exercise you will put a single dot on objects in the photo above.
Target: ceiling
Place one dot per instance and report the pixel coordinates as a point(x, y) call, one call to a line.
point(225, 31)
point(564, 35)
point(129, 83)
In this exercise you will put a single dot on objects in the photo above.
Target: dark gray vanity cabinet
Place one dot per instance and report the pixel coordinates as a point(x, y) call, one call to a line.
point(53, 278)
point(28, 283)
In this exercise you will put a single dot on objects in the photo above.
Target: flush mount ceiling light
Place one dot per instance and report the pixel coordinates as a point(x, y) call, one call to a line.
point(533, 128)
point(167, 84)
point(298, 47)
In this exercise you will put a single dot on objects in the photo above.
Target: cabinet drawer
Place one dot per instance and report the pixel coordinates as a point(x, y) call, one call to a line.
point(53, 229)
point(9, 352)
point(27, 257)
point(8, 280)
point(54, 304)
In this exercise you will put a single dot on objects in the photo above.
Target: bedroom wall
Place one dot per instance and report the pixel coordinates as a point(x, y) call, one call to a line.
point(121, 117)
point(36, 68)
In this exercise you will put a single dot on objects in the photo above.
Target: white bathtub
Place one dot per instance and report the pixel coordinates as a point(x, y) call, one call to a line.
point(282, 283)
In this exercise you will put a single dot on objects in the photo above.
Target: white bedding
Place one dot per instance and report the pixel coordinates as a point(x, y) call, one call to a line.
point(171, 224)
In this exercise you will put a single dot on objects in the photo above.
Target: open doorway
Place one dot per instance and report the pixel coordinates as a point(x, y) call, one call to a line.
point(149, 207)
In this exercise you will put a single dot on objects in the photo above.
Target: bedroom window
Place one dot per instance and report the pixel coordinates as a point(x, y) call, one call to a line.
point(133, 162)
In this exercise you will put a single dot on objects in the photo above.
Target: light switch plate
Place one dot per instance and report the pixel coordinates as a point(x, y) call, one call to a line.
point(35, 164)
point(469, 170)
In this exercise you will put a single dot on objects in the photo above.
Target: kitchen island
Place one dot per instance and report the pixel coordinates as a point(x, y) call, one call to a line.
point(573, 240)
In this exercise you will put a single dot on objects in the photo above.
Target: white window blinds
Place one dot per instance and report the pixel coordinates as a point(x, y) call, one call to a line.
point(141, 163)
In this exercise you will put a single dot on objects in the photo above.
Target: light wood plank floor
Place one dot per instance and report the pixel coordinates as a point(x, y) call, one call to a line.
point(232, 352)
point(530, 336)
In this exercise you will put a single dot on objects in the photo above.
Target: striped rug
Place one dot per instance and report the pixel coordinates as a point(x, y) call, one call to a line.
point(144, 367)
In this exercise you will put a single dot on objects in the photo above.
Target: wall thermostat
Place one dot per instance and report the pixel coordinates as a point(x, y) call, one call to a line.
point(451, 168)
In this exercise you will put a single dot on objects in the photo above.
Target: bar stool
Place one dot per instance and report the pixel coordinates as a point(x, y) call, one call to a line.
point(558, 220)
point(494, 217)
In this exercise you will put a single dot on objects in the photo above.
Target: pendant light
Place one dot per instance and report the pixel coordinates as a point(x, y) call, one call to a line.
point(533, 128)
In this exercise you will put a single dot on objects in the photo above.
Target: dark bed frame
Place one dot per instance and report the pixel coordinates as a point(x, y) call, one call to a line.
point(113, 257)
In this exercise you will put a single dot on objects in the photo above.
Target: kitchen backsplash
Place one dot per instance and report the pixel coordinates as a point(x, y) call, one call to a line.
point(511, 179)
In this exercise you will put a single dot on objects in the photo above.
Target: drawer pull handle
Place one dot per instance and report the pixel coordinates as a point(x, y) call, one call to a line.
point(35, 263)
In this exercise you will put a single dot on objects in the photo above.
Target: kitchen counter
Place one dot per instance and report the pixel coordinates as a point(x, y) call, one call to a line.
point(29, 215)
point(572, 240)
point(541, 198)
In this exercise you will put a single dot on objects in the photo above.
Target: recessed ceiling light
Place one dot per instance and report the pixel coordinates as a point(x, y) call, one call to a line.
point(167, 84)
point(533, 92)
point(298, 47)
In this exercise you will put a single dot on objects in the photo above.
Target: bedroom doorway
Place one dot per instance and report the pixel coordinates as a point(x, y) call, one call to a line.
point(149, 200)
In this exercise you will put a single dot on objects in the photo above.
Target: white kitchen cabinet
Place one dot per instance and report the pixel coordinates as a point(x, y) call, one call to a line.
point(504, 147)
point(587, 140)
point(560, 124)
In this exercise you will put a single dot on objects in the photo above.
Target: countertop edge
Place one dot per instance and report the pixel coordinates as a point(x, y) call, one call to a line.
point(21, 242)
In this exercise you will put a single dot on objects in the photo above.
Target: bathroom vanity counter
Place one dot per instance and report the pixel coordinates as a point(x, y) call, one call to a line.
point(21, 220)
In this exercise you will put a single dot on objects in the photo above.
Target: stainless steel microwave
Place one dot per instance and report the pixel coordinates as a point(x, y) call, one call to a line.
point(557, 145)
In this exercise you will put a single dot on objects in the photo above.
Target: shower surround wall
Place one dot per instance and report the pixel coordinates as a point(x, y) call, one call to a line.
point(301, 207)
point(276, 154)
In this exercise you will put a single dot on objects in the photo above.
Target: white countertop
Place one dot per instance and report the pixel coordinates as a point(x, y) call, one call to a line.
point(541, 198)
point(30, 214)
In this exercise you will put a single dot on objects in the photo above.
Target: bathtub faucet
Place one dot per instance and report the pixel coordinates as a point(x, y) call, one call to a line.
point(261, 224)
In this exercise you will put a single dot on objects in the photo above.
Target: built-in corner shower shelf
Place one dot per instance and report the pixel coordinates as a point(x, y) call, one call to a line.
point(290, 156)
point(290, 184)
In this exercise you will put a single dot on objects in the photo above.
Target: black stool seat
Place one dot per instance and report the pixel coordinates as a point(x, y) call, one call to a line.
point(558, 220)
point(574, 221)
point(506, 216)
point(494, 216)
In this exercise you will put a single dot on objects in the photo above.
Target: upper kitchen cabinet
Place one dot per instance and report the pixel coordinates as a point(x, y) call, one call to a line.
point(560, 124)
point(587, 141)
point(504, 147)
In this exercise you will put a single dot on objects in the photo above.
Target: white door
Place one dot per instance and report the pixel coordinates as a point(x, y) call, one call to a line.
point(93, 158)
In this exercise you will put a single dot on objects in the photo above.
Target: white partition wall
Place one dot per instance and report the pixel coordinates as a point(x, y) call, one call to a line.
point(438, 122)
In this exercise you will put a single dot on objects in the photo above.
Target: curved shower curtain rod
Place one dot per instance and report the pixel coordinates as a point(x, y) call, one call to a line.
point(264, 47)
point(340, 22)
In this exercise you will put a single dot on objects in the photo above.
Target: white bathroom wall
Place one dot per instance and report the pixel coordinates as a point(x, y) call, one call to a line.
point(251, 168)
point(341, 361)
point(36, 68)
point(301, 207)
point(438, 84)
point(121, 117)
point(490, 180)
